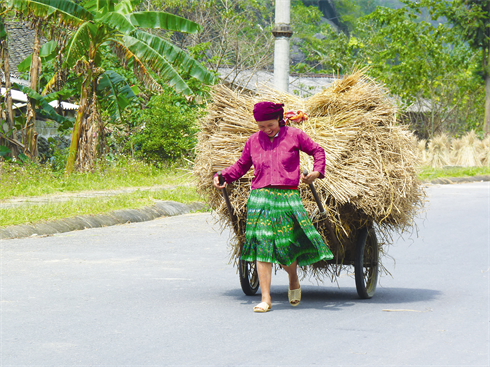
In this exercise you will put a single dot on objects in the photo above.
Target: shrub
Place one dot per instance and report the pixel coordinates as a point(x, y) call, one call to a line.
point(168, 129)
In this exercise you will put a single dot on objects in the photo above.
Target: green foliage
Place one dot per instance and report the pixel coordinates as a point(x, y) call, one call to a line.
point(3, 32)
point(116, 92)
point(470, 17)
point(470, 20)
point(326, 50)
point(168, 129)
point(94, 24)
point(349, 11)
point(20, 160)
point(426, 65)
point(4, 151)
point(46, 110)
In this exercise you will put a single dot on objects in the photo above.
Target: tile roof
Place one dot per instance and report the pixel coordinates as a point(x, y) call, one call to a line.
point(249, 80)
point(20, 42)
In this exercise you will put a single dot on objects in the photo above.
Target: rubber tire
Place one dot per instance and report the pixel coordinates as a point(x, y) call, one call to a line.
point(249, 279)
point(367, 252)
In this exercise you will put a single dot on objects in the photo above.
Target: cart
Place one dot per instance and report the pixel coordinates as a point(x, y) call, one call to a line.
point(363, 256)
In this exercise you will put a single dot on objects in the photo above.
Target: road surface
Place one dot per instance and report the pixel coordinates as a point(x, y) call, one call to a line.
point(162, 293)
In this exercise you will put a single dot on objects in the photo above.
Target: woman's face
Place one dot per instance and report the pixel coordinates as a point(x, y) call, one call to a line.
point(270, 127)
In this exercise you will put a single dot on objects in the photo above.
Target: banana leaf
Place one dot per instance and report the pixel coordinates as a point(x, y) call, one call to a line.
point(116, 92)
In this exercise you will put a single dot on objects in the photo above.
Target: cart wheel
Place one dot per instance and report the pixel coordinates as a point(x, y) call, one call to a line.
point(366, 264)
point(249, 279)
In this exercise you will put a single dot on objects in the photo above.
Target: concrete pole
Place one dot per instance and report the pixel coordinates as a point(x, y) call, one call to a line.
point(282, 33)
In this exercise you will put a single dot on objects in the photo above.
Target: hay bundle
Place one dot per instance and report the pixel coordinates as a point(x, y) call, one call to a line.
point(439, 151)
point(456, 146)
point(370, 161)
point(485, 151)
point(422, 152)
point(468, 154)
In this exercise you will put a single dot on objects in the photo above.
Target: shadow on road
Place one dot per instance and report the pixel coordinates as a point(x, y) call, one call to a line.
point(337, 299)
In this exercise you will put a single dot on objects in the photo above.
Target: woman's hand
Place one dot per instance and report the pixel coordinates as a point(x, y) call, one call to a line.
point(216, 182)
point(312, 176)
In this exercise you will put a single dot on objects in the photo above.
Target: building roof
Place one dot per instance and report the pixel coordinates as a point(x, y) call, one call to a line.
point(64, 105)
point(250, 81)
point(20, 42)
point(19, 100)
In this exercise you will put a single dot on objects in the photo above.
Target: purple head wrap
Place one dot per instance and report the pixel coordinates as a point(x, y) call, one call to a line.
point(264, 111)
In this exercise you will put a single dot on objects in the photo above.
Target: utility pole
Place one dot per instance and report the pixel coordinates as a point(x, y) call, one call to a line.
point(282, 32)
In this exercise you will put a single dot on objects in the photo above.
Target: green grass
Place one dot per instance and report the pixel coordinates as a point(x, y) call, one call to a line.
point(429, 173)
point(28, 214)
point(38, 180)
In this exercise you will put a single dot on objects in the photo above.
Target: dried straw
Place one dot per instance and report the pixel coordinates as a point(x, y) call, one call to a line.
point(485, 151)
point(370, 162)
point(422, 152)
point(439, 151)
point(469, 155)
point(456, 145)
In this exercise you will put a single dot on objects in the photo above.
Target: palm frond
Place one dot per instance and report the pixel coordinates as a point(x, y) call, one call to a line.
point(117, 21)
point(151, 59)
point(163, 20)
point(119, 93)
point(50, 84)
point(177, 57)
point(66, 12)
point(79, 44)
point(140, 71)
point(46, 110)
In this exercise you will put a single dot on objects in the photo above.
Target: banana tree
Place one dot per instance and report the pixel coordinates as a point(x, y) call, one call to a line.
point(99, 23)
point(8, 139)
point(29, 134)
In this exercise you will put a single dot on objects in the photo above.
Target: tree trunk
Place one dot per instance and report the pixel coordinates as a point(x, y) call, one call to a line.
point(91, 142)
point(77, 128)
point(9, 112)
point(30, 135)
point(486, 123)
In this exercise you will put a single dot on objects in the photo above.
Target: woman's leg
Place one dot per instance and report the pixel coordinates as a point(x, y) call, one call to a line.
point(294, 297)
point(265, 270)
point(293, 275)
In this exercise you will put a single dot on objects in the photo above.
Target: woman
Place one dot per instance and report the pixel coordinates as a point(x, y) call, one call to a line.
point(278, 228)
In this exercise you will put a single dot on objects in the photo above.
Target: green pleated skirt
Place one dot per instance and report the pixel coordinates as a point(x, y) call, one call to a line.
point(279, 231)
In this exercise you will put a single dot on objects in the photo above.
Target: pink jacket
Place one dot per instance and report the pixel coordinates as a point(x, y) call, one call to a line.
point(276, 163)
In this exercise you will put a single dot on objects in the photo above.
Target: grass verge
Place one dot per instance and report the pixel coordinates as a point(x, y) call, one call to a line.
point(29, 214)
point(430, 173)
point(37, 180)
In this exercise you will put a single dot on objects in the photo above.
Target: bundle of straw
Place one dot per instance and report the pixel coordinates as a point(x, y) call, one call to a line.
point(439, 151)
point(485, 151)
point(370, 161)
point(468, 154)
point(422, 152)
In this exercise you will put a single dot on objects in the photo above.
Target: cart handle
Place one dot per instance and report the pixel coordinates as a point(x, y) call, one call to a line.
point(315, 195)
point(227, 199)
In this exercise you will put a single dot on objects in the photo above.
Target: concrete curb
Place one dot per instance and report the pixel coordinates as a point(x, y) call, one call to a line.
point(160, 209)
point(454, 180)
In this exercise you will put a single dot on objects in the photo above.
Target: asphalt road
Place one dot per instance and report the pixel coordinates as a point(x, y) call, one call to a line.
point(162, 293)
